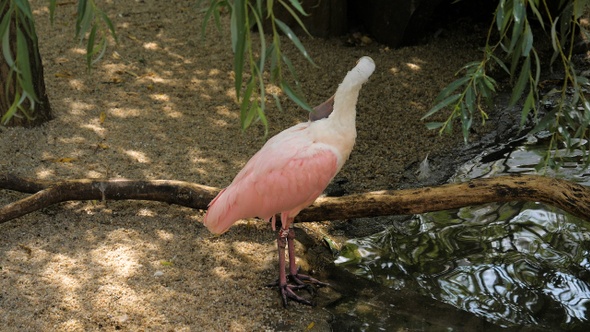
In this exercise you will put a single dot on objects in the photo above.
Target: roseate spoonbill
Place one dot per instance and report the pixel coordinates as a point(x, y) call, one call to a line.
point(290, 171)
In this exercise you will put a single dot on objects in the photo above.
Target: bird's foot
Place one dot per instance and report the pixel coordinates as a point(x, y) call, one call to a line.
point(288, 293)
point(298, 281)
point(304, 279)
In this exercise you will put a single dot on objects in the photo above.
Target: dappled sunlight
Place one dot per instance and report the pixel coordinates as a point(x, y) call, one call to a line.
point(45, 173)
point(120, 112)
point(394, 70)
point(72, 140)
point(223, 273)
point(95, 175)
point(71, 324)
point(413, 66)
point(97, 129)
point(80, 108)
point(122, 260)
point(79, 51)
point(145, 212)
point(138, 156)
point(76, 84)
point(165, 235)
point(160, 97)
point(62, 271)
point(255, 251)
point(151, 46)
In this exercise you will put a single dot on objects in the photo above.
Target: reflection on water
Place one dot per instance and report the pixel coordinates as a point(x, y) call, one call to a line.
point(513, 264)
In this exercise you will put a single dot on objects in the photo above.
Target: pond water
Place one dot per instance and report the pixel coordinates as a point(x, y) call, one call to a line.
point(512, 264)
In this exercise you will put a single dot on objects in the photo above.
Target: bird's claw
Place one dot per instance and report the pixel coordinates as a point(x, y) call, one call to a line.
point(288, 293)
point(298, 281)
point(304, 279)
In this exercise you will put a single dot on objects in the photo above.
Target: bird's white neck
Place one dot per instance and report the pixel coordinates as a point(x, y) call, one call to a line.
point(347, 93)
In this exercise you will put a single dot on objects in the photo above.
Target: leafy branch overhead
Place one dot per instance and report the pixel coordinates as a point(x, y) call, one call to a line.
point(19, 41)
point(515, 53)
point(18, 16)
point(251, 62)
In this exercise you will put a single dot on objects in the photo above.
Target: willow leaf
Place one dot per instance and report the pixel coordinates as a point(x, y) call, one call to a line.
point(239, 42)
point(6, 50)
point(451, 88)
point(289, 33)
point(446, 102)
point(110, 25)
point(294, 96)
point(434, 125)
point(523, 78)
point(297, 5)
point(295, 16)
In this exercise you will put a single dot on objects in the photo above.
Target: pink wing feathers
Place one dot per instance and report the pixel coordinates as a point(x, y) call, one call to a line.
point(286, 175)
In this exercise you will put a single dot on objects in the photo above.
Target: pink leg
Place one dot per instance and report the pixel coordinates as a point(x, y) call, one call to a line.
point(286, 237)
point(293, 269)
point(287, 290)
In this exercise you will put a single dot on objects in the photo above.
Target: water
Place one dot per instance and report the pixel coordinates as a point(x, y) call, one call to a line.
point(512, 264)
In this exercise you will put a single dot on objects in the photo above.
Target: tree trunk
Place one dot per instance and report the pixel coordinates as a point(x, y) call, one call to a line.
point(8, 78)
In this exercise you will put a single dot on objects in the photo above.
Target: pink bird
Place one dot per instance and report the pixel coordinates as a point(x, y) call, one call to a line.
point(290, 171)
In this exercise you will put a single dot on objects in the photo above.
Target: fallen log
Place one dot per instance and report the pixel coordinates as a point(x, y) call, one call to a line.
point(568, 196)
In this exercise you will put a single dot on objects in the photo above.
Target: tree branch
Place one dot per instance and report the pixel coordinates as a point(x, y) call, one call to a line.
point(566, 195)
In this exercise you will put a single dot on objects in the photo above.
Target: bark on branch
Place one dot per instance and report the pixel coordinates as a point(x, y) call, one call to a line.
point(568, 196)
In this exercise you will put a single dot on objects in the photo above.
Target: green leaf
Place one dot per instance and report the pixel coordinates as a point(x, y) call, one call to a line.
point(289, 33)
point(446, 102)
point(85, 14)
point(523, 78)
point(294, 96)
point(211, 12)
point(434, 125)
point(519, 10)
point(6, 51)
point(11, 111)
point(535, 10)
point(466, 120)
point(500, 63)
point(295, 16)
point(269, 7)
point(245, 107)
point(110, 25)
point(517, 29)
point(297, 5)
point(554, 38)
point(579, 7)
point(470, 99)
point(52, 4)
point(238, 42)
point(90, 46)
point(451, 88)
point(262, 117)
point(25, 8)
point(277, 102)
point(263, 52)
point(503, 16)
point(490, 83)
point(23, 63)
point(526, 108)
point(537, 69)
point(100, 49)
point(527, 43)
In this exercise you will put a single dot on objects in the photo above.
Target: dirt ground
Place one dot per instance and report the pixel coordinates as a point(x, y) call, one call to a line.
point(161, 105)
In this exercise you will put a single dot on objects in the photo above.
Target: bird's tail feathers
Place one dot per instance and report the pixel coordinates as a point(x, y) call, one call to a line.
point(218, 219)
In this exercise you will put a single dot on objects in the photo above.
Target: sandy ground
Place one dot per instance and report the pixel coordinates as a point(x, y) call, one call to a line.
point(161, 106)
